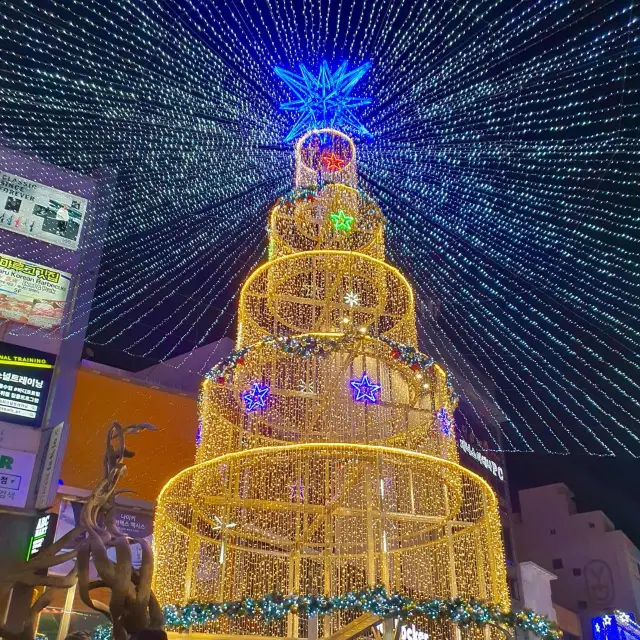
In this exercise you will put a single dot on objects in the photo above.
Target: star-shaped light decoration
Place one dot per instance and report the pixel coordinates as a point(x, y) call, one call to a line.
point(325, 101)
point(365, 390)
point(622, 617)
point(352, 299)
point(256, 398)
point(341, 221)
point(332, 161)
point(305, 387)
point(446, 423)
point(222, 527)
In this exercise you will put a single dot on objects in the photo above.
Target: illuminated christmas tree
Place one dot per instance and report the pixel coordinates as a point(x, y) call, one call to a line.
point(327, 461)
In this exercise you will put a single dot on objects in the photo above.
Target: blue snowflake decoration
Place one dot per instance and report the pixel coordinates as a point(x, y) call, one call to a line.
point(446, 424)
point(365, 390)
point(325, 101)
point(256, 398)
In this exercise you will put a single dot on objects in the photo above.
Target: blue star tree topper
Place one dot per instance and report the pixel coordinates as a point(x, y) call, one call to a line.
point(325, 101)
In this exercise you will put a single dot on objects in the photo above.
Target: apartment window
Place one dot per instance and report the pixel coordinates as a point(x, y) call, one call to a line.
point(592, 525)
point(577, 572)
point(582, 604)
point(552, 532)
point(557, 563)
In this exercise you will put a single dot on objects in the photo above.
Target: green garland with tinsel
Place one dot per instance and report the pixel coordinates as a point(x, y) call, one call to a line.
point(310, 345)
point(274, 606)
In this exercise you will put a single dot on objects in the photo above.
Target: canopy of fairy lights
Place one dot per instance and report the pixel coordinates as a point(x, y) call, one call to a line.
point(497, 138)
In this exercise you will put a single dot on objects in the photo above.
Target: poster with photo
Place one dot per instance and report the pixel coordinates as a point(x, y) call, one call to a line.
point(35, 210)
point(31, 293)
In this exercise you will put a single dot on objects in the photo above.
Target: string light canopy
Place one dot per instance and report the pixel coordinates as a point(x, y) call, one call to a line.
point(503, 156)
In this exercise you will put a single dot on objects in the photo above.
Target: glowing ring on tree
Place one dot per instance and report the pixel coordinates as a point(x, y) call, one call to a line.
point(245, 315)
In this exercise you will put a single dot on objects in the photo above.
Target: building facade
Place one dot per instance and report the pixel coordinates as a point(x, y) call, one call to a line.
point(597, 566)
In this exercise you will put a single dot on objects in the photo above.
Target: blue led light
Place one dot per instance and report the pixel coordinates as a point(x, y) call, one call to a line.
point(365, 390)
point(446, 423)
point(615, 626)
point(325, 101)
point(256, 398)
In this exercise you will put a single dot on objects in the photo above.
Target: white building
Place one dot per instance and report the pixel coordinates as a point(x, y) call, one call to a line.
point(597, 567)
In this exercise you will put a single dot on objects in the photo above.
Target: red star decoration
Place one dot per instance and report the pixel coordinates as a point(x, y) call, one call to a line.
point(332, 161)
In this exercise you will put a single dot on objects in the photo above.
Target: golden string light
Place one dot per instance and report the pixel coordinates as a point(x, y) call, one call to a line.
point(326, 462)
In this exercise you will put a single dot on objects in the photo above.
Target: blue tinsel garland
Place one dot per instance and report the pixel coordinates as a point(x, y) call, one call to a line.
point(376, 600)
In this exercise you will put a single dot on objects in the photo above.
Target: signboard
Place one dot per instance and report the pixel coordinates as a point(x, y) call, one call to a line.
point(43, 534)
point(16, 468)
point(45, 496)
point(25, 377)
point(35, 210)
point(408, 633)
point(32, 293)
point(480, 457)
point(135, 524)
point(615, 626)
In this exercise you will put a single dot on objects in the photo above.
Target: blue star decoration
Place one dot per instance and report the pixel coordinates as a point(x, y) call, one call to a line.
point(365, 390)
point(325, 101)
point(256, 398)
point(446, 424)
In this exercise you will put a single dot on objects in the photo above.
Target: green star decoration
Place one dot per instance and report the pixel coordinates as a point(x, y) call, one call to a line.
point(341, 221)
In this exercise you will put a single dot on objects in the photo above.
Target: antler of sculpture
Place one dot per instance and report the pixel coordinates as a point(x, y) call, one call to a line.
point(133, 605)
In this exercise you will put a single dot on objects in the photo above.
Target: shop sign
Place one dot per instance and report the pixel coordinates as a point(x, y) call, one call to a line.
point(16, 468)
point(31, 293)
point(25, 378)
point(479, 457)
point(43, 534)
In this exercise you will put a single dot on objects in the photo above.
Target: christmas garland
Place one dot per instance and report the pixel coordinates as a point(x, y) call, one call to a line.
point(309, 345)
point(376, 600)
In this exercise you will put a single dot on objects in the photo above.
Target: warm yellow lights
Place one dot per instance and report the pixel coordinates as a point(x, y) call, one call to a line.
point(303, 222)
point(328, 518)
point(304, 292)
point(314, 492)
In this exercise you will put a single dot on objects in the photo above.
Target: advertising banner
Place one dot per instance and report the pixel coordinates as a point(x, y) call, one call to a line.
point(35, 210)
point(134, 524)
point(25, 378)
point(32, 293)
point(16, 468)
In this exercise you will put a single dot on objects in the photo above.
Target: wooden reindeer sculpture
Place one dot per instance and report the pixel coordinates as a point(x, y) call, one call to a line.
point(132, 605)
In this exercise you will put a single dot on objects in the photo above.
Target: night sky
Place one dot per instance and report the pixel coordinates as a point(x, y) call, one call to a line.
point(605, 484)
point(504, 155)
